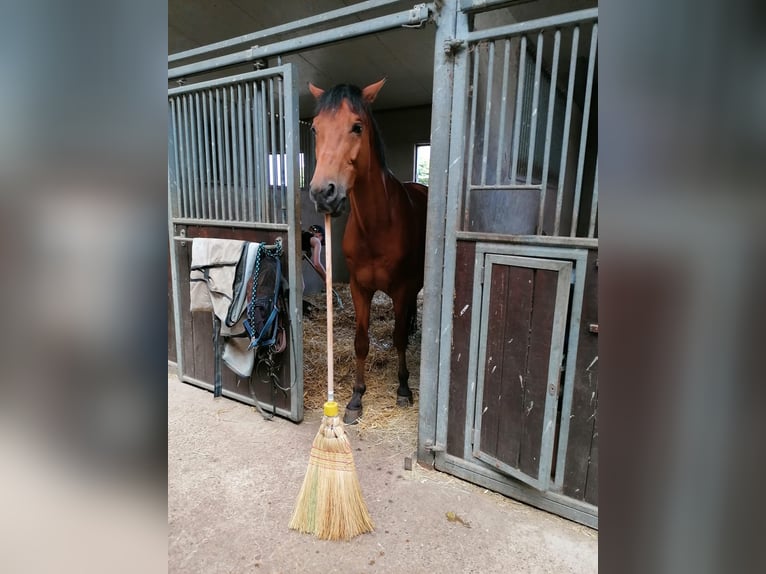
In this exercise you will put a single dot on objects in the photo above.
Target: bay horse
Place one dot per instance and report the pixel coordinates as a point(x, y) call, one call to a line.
point(384, 241)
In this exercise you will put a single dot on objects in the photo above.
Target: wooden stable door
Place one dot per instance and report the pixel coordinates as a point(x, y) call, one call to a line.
point(522, 323)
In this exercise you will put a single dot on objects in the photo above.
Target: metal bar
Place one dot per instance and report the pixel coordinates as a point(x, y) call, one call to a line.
point(548, 129)
point(567, 124)
point(234, 151)
point(517, 119)
point(417, 15)
point(219, 213)
point(177, 105)
point(283, 154)
point(176, 291)
point(242, 165)
point(450, 93)
point(249, 156)
point(487, 111)
point(505, 186)
point(483, 475)
point(242, 398)
point(557, 21)
point(581, 260)
point(213, 157)
point(200, 155)
point(559, 241)
point(555, 360)
point(473, 6)
point(273, 141)
point(205, 122)
point(584, 128)
point(258, 150)
point(231, 223)
point(292, 146)
point(193, 127)
point(594, 204)
point(503, 110)
point(184, 239)
point(535, 102)
point(175, 204)
point(264, 191)
point(227, 152)
point(227, 81)
point(188, 179)
point(281, 29)
point(471, 137)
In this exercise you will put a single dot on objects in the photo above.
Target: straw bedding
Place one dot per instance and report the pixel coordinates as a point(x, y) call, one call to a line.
point(382, 420)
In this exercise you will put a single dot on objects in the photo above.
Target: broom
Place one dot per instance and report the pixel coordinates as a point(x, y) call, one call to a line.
point(330, 503)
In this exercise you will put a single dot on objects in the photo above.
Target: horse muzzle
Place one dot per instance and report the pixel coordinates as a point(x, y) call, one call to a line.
point(328, 199)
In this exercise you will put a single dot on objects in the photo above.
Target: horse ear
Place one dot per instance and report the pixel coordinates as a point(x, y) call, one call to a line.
point(317, 92)
point(371, 92)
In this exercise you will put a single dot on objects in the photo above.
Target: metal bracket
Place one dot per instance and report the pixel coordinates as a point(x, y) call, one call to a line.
point(452, 46)
point(434, 447)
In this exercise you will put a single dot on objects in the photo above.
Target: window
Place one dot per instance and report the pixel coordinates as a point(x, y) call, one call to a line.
point(422, 162)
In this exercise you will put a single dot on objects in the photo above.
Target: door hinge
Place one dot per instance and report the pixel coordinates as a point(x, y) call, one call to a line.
point(452, 46)
point(434, 447)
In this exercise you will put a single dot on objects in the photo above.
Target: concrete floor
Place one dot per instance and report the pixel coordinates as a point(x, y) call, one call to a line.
point(233, 478)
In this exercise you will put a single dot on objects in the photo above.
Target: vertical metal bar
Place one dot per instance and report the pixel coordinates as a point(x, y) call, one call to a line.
point(474, 91)
point(503, 111)
point(219, 134)
point(282, 152)
point(213, 156)
point(549, 128)
point(242, 166)
point(227, 152)
point(174, 181)
point(206, 132)
point(200, 153)
point(264, 192)
point(517, 116)
point(177, 134)
point(292, 143)
point(535, 102)
point(273, 176)
point(594, 204)
point(257, 153)
point(250, 157)
point(188, 179)
point(448, 141)
point(193, 128)
point(581, 259)
point(234, 151)
point(487, 112)
point(584, 128)
point(567, 122)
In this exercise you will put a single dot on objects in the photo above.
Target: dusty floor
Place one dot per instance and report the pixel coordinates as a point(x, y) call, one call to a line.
point(233, 478)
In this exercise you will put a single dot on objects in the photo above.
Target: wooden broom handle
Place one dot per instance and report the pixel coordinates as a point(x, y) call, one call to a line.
point(328, 285)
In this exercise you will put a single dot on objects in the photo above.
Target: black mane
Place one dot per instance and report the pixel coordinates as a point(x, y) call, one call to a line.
point(332, 99)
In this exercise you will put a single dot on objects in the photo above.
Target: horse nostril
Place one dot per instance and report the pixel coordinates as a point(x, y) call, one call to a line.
point(330, 190)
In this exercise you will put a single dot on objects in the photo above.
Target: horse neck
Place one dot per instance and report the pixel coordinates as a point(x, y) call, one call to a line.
point(374, 197)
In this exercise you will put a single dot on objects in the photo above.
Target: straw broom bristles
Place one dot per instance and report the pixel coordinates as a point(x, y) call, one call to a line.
point(330, 503)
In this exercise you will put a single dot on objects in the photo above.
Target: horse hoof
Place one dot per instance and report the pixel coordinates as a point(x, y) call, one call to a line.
point(352, 416)
point(404, 401)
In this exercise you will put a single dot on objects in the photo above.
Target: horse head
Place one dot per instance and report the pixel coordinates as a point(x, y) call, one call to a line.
point(346, 143)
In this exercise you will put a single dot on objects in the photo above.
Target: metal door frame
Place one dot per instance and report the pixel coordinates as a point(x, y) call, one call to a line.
point(448, 141)
point(485, 260)
point(290, 228)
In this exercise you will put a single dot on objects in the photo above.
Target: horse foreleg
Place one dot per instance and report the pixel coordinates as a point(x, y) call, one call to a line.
point(362, 300)
point(402, 312)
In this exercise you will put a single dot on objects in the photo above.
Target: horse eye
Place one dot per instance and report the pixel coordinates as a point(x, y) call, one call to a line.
point(313, 130)
point(356, 129)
